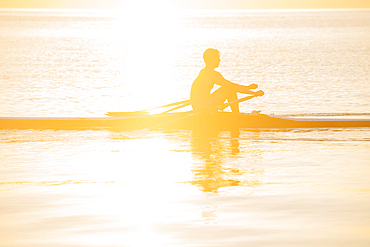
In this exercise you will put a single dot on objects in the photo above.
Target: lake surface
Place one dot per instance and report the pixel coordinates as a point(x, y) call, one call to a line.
point(290, 187)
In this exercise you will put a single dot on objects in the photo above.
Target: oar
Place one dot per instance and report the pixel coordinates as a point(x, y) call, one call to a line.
point(145, 131)
point(144, 112)
point(178, 107)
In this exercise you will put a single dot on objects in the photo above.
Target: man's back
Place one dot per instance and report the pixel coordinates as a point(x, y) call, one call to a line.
point(202, 85)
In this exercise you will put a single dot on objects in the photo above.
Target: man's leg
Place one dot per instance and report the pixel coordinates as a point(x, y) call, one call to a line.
point(232, 97)
point(219, 96)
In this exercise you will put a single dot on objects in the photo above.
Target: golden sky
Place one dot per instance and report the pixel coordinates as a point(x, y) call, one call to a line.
point(207, 4)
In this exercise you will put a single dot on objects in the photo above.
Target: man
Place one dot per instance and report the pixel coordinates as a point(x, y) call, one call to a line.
point(201, 96)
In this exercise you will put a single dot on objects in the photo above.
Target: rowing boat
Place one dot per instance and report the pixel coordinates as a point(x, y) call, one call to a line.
point(181, 120)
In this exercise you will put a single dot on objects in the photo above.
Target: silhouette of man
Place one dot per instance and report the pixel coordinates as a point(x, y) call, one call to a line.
point(201, 96)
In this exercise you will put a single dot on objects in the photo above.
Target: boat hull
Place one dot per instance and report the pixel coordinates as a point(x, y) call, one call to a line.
point(223, 120)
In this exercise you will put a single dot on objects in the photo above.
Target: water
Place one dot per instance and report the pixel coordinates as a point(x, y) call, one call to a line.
point(291, 187)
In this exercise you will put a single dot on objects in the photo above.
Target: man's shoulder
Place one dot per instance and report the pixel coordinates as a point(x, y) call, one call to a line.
point(215, 74)
point(209, 74)
point(212, 72)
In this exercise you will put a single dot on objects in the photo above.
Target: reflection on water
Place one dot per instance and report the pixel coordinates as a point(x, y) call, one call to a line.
point(184, 187)
point(213, 171)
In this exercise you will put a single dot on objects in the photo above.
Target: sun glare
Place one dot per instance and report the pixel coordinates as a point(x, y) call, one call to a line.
point(143, 191)
point(148, 34)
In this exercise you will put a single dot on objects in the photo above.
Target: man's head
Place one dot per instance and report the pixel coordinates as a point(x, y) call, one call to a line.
point(212, 57)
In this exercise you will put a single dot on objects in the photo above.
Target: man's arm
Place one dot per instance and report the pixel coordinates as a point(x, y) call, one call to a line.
point(220, 80)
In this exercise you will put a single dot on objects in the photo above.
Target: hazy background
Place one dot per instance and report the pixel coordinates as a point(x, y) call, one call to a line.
point(208, 4)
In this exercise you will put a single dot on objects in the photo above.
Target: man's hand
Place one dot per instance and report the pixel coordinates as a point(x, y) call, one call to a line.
point(259, 93)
